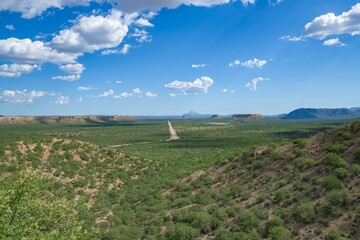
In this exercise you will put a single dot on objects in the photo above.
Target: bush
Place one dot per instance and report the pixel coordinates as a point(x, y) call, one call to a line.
point(306, 212)
point(280, 233)
point(335, 148)
point(183, 231)
point(338, 198)
point(334, 235)
point(304, 163)
point(357, 155)
point(300, 142)
point(332, 159)
point(247, 221)
point(341, 173)
point(357, 209)
point(355, 169)
point(331, 182)
point(275, 222)
point(346, 135)
point(280, 195)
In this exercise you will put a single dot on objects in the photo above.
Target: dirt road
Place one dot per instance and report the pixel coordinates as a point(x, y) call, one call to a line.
point(173, 135)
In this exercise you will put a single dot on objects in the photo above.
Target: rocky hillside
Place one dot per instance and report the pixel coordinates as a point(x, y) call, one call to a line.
point(308, 189)
point(317, 113)
point(86, 176)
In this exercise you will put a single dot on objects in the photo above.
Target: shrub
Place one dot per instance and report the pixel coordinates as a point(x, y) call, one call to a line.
point(346, 135)
point(338, 198)
point(304, 163)
point(357, 209)
point(341, 173)
point(280, 233)
point(306, 212)
point(331, 182)
point(335, 148)
point(300, 142)
point(275, 155)
point(357, 155)
point(355, 169)
point(183, 231)
point(246, 221)
point(274, 222)
point(335, 160)
point(282, 183)
point(280, 195)
point(334, 235)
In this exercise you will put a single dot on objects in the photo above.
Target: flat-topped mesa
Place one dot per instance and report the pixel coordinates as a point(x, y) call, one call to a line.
point(62, 119)
point(246, 116)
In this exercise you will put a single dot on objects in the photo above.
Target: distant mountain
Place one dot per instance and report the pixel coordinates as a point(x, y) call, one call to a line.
point(322, 113)
point(193, 114)
point(355, 109)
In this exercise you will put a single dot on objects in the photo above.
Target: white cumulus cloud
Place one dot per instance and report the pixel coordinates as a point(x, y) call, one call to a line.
point(22, 96)
point(247, 2)
point(253, 63)
point(85, 88)
point(62, 100)
point(142, 22)
point(91, 33)
point(253, 84)
point(107, 93)
point(199, 85)
point(150, 94)
point(32, 8)
point(69, 78)
point(76, 68)
point(199, 65)
point(124, 50)
point(225, 90)
point(137, 91)
point(331, 24)
point(334, 42)
point(10, 27)
point(28, 51)
point(16, 70)
point(293, 38)
point(123, 95)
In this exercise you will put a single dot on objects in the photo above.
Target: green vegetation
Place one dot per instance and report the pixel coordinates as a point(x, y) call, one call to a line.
point(306, 212)
point(216, 181)
point(304, 163)
point(333, 159)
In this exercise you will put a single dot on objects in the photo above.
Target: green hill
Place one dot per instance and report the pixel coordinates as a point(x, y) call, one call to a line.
point(322, 113)
point(308, 189)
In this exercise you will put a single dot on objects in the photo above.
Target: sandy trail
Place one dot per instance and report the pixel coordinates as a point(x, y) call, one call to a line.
point(173, 134)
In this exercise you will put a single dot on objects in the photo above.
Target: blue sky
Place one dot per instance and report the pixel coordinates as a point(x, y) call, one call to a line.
point(163, 57)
